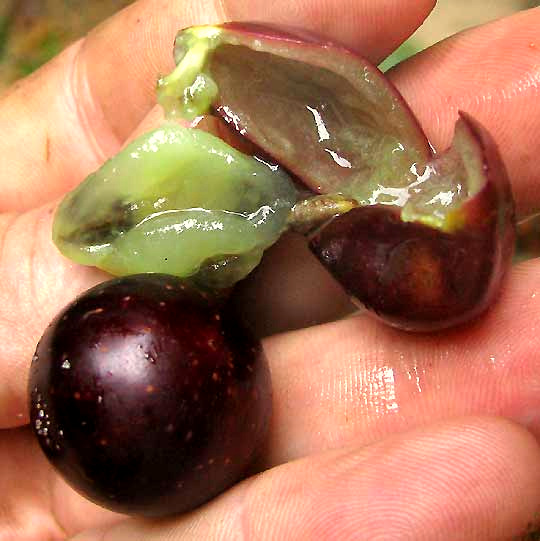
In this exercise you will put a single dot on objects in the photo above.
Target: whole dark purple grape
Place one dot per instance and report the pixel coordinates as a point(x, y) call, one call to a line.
point(148, 396)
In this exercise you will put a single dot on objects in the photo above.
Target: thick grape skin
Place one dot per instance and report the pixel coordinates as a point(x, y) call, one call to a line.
point(320, 110)
point(410, 275)
point(422, 278)
point(149, 397)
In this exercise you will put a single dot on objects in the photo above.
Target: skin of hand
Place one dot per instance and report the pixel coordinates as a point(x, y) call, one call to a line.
point(376, 434)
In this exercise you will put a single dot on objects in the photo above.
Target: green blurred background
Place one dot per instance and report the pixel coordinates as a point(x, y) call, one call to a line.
point(33, 31)
point(451, 16)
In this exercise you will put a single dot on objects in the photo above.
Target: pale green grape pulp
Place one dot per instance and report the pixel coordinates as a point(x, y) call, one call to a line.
point(179, 201)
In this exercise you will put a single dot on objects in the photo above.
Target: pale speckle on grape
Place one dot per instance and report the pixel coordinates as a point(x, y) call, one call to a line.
point(94, 312)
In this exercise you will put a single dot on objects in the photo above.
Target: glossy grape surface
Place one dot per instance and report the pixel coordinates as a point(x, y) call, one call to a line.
point(178, 201)
point(149, 397)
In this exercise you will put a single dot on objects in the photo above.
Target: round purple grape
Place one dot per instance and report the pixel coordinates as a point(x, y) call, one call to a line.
point(149, 396)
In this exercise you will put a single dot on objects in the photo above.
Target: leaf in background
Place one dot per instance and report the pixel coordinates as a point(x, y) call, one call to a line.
point(404, 51)
point(50, 45)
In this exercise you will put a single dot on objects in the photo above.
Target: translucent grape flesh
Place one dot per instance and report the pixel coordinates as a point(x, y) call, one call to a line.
point(176, 201)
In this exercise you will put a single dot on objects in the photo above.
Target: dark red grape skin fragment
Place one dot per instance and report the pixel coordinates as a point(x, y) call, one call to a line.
point(148, 396)
point(418, 277)
point(410, 274)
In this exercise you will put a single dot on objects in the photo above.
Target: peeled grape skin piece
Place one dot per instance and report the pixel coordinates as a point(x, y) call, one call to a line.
point(422, 278)
point(175, 201)
point(319, 109)
point(148, 397)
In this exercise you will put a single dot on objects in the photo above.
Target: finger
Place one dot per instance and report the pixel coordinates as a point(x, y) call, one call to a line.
point(62, 122)
point(436, 484)
point(358, 380)
point(373, 28)
point(291, 290)
point(493, 73)
point(36, 504)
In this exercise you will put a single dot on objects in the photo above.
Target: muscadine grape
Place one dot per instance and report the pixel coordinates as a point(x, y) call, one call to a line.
point(148, 396)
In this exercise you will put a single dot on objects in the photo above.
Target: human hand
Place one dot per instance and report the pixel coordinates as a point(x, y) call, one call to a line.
point(376, 434)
